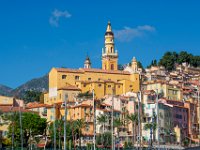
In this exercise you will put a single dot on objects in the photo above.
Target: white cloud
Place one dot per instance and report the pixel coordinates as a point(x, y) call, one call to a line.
point(127, 34)
point(56, 15)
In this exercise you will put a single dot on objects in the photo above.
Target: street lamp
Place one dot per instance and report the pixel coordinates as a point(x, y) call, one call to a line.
point(12, 128)
point(157, 119)
point(112, 122)
point(151, 130)
point(94, 138)
point(199, 112)
point(139, 95)
point(65, 121)
point(54, 126)
point(20, 121)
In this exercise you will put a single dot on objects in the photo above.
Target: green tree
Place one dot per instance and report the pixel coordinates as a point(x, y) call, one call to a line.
point(184, 57)
point(168, 61)
point(1, 139)
point(155, 62)
point(139, 64)
point(195, 61)
point(151, 125)
point(32, 125)
point(31, 96)
point(102, 119)
point(80, 124)
point(107, 139)
point(117, 124)
point(134, 120)
point(59, 124)
point(71, 132)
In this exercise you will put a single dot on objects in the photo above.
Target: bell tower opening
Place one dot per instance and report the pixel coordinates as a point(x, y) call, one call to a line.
point(112, 67)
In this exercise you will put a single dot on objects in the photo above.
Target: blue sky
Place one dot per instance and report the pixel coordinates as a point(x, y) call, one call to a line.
point(36, 35)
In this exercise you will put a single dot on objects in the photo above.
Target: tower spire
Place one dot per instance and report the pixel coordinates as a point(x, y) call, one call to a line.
point(109, 29)
point(109, 54)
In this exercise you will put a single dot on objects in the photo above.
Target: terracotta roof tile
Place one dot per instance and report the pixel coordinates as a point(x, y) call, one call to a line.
point(6, 109)
point(82, 70)
point(36, 105)
point(105, 71)
point(70, 87)
point(69, 70)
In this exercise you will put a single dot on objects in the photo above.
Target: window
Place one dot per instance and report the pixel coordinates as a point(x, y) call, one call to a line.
point(99, 85)
point(118, 86)
point(112, 66)
point(111, 49)
point(77, 78)
point(109, 86)
point(89, 79)
point(87, 127)
point(131, 86)
point(64, 76)
point(84, 85)
point(66, 96)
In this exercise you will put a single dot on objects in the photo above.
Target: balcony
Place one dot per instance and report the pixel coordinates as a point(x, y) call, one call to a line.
point(44, 114)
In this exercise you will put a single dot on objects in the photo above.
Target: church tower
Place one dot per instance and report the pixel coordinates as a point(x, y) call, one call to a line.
point(87, 63)
point(134, 65)
point(109, 54)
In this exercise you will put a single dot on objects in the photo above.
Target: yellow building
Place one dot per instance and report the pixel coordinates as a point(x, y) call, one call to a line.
point(86, 79)
point(11, 101)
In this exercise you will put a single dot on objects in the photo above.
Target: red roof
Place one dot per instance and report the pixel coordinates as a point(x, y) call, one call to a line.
point(70, 87)
point(82, 70)
point(36, 105)
point(6, 109)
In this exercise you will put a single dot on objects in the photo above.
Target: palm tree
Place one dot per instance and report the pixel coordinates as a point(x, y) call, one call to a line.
point(102, 119)
point(80, 123)
point(134, 120)
point(151, 125)
point(117, 124)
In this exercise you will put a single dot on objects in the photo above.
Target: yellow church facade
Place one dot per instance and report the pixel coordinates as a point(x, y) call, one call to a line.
point(106, 81)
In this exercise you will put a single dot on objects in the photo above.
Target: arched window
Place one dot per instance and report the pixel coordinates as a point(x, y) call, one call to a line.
point(112, 66)
point(111, 49)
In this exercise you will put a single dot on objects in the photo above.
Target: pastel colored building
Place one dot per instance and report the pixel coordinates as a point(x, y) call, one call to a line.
point(40, 109)
point(165, 89)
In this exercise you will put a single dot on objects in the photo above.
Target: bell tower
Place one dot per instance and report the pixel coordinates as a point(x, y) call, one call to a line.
point(87, 63)
point(109, 54)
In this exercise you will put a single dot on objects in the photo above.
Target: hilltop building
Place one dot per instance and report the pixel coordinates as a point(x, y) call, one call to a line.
point(73, 81)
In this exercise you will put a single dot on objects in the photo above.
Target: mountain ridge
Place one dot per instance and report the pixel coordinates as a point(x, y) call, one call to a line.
point(36, 84)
